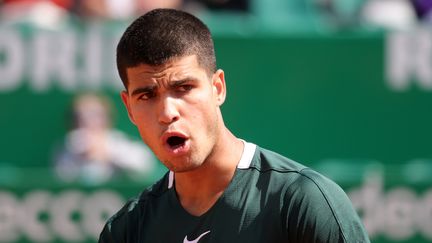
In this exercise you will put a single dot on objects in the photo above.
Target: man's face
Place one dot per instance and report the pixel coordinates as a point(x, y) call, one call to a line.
point(175, 107)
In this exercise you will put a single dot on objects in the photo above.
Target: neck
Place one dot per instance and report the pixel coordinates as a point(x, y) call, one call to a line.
point(199, 189)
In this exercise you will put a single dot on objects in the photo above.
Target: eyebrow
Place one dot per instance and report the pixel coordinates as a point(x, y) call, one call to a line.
point(145, 89)
point(171, 84)
point(177, 83)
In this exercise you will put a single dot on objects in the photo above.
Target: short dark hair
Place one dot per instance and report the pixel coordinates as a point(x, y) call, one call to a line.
point(162, 34)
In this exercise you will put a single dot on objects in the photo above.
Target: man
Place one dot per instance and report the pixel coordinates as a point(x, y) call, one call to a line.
point(219, 188)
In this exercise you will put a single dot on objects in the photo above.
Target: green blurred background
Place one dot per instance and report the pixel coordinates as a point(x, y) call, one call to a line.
point(324, 86)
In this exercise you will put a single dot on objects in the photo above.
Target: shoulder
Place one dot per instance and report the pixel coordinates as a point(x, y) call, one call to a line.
point(313, 182)
point(267, 160)
point(301, 178)
point(318, 192)
point(305, 179)
point(322, 205)
point(296, 180)
point(311, 201)
point(117, 227)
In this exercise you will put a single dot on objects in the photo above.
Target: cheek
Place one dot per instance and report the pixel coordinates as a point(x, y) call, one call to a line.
point(141, 114)
point(143, 121)
point(200, 107)
point(205, 100)
point(148, 137)
point(205, 116)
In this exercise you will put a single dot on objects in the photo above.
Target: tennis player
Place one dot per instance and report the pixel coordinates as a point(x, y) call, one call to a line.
point(219, 188)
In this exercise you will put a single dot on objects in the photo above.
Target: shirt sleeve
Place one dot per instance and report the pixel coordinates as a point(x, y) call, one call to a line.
point(318, 211)
point(106, 236)
point(117, 227)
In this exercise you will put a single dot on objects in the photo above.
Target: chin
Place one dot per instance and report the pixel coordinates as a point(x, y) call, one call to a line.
point(183, 166)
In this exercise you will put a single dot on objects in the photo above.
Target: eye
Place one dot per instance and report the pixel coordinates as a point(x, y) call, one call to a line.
point(147, 95)
point(184, 87)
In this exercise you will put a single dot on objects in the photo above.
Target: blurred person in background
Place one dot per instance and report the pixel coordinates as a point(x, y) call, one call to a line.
point(51, 13)
point(423, 9)
point(121, 9)
point(126, 9)
point(93, 152)
point(389, 14)
point(48, 14)
point(218, 5)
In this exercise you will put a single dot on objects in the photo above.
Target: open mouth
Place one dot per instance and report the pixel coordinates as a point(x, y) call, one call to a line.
point(176, 141)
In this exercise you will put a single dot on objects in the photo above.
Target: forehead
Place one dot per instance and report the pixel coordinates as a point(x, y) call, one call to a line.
point(175, 68)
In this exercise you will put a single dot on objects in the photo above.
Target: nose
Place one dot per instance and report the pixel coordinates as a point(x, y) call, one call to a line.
point(168, 111)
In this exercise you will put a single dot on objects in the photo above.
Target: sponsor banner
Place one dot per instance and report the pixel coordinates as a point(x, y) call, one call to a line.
point(71, 215)
point(394, 208)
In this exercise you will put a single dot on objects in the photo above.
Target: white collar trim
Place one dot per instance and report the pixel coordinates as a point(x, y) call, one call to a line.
point(244, 163)
point(248, 153)
point(170, 179)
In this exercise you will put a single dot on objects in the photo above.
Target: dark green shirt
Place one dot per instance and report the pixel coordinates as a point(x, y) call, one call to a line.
point(270, 199)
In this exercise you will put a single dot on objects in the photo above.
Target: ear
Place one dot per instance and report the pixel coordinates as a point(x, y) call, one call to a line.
point(219, 86)
point(125, 98)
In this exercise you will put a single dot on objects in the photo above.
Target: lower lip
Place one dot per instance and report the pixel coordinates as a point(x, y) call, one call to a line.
point(180, 150)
